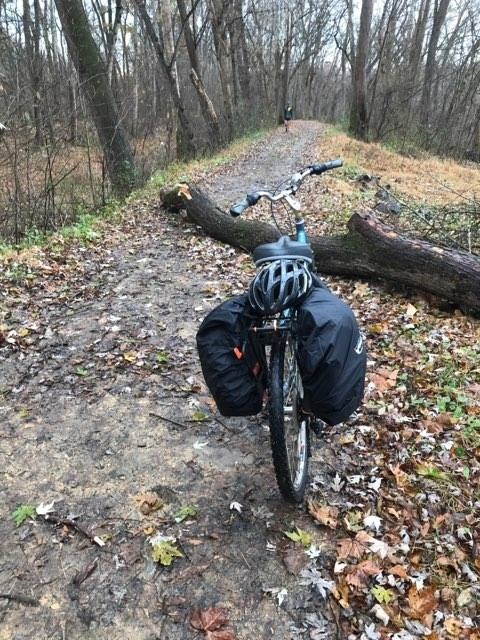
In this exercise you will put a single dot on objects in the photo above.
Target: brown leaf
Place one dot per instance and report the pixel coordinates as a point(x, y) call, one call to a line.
point(148, 503)
point(453, 627)
point(474, 389)
point(398, 570)
point(357, 576)
point(295, 560)
point(352, 547)
point(421, 602)
point(445, 419)
point(340, 593)
point(209, 619)
point(401, 478)
point(431, 426)
point(384, 379)
point(323, 514)
point(224, 634)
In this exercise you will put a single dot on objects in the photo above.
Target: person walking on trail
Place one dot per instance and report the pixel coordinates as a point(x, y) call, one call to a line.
point(287, 116)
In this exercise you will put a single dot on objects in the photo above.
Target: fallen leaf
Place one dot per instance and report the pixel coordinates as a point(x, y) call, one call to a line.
point(165, 553)
point(474, 389)
point(453, 627)
point(372, 522)
point(421, 602)
point(295, 560)
point(411, 311)
point(341, 592)
point(401, 478)
point(44, 509)
point(384, 379)
point(209, 619)
point(381, 594)
point(361, 289)
point(398, 570)
point(358, 574)
point(223, 634)
point(184, 513)
point(350, 548)
point(323, 514)
point(184, 191)
point(464, 597)
point(347, 438)
point(303, 537)
point(380, 614)
point(148, 503)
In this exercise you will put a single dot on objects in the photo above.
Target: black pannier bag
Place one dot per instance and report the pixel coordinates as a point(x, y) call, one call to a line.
point(228, 362)
point(331, 356)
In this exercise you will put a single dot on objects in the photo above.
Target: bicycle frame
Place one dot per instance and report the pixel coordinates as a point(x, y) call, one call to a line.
point(273, 339)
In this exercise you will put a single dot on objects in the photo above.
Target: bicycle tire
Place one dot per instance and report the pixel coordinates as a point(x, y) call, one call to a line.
point(291, 481)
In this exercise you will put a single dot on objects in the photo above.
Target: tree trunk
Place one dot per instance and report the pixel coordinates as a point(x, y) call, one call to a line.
point(187, 147)
point(31, 31)
point(219, 16)
point(206, 105)
point(440, 13)
point(208, 110)
point(358, 113)
point(370, 249)
point(93, 79)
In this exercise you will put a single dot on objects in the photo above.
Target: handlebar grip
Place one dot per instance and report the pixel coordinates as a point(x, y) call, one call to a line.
point(238, 208)
point(317, 169)
point(334, 164)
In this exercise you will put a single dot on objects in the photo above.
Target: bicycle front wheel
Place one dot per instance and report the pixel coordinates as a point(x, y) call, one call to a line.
point(288, 427)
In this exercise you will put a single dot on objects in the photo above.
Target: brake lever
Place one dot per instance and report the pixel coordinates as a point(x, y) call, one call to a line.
point(294, 203)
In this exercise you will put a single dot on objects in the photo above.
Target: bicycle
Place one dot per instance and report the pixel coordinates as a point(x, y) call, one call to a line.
point(273, 337)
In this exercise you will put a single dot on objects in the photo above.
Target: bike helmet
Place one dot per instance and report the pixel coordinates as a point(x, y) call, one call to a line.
point(280, 284)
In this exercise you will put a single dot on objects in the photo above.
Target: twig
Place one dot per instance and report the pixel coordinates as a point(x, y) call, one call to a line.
point(49, 517)
point(18, 597)
point(177, 424)
point(82, 575)
point(223, 424)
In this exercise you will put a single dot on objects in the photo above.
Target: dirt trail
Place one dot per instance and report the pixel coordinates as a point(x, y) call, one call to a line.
point(90, 364)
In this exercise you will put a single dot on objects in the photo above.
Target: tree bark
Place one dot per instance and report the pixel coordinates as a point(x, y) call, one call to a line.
point(208, 110)
point(370, 249)
point(93, 78)
point(219, 17)
point(358, 113)
point(439, 16)
point(187, 147)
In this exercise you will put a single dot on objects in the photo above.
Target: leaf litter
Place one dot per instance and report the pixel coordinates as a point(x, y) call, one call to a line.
point(399, 482)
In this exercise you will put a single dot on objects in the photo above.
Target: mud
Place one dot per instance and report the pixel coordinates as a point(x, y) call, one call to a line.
point(98, 404)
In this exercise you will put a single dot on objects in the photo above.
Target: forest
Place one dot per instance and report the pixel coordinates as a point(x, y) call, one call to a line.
point(94, 96)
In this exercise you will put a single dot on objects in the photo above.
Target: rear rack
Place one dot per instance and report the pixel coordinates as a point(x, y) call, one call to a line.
point(272, 332)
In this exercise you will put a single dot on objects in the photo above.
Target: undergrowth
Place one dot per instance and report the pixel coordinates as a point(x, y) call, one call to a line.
point(88, 225)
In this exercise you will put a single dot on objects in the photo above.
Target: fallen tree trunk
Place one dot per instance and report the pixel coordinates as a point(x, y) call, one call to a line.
point(370, 249)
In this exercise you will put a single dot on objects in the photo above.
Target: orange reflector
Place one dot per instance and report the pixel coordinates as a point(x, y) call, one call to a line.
point(238, 353)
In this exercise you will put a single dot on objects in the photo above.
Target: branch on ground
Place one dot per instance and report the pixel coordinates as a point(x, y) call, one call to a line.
point(369, 249)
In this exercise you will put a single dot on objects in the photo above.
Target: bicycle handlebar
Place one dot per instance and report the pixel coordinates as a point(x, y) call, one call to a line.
point(295, 182)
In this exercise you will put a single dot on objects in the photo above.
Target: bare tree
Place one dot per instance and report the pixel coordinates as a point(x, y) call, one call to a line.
point(358, 111)
point(94, 80)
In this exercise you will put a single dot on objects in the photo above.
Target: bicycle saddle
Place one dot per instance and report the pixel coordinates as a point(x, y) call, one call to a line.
point(284, 247)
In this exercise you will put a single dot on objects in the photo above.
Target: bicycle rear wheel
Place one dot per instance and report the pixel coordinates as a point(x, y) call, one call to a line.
point(288, 427)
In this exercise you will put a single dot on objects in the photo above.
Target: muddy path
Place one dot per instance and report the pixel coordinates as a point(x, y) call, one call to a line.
point(102, 402)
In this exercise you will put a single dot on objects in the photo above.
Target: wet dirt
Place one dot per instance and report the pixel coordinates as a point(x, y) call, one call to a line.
point(102, 400)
